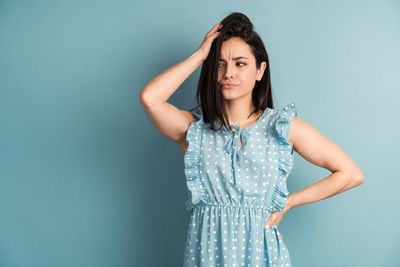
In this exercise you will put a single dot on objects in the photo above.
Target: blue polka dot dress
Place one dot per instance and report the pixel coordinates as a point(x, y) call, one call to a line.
point(234, 189)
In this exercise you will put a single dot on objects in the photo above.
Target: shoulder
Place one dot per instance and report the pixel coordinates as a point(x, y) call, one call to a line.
point(296, 126)
point(283, 120)
point(289, 111)
point(196, 112)
point(193, 114)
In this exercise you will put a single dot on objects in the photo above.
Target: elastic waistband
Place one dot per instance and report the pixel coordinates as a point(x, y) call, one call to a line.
point(220, 205)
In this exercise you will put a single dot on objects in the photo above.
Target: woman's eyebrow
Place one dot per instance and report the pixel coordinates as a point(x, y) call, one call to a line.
point(236, 58)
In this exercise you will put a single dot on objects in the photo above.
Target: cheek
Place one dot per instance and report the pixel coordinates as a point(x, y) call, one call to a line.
point(249, 78)
point(220, 75)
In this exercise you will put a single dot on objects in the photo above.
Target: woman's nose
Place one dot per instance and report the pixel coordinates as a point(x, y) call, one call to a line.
point(229, 71)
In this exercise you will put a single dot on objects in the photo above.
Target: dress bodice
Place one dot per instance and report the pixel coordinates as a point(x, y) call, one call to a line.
point(219, 171)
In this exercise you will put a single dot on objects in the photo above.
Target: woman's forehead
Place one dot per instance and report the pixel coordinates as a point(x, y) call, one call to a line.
point(232, 49)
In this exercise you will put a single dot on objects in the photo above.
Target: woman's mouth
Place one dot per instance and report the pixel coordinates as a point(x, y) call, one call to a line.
point(228, 85)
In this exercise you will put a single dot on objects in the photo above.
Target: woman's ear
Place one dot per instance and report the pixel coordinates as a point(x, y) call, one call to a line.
point(260, 71)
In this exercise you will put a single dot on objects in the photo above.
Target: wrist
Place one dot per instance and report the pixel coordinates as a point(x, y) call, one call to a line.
point(289, 203)
point(198, 56)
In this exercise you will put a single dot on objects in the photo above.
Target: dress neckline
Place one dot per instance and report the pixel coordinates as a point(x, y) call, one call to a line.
point(237, 127)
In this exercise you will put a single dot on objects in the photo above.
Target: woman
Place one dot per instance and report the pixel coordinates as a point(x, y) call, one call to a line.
point(238, 150)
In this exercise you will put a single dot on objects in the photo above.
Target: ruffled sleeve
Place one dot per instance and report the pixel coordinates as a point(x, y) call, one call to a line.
point(192, 160)
point(196, 111)
point(281, 128)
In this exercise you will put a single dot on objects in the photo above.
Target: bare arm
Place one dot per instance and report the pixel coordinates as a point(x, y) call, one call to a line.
point(319, 150)
point(166, 118)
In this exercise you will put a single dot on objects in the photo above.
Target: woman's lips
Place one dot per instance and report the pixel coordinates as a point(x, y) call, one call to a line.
point(228, 85)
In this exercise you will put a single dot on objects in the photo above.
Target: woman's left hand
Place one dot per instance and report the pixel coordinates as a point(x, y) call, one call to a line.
point(276, 218)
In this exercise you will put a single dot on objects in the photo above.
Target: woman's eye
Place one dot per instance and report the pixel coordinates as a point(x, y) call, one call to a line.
point(221, 65)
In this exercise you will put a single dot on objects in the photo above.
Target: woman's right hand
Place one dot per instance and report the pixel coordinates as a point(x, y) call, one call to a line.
point(205, 45)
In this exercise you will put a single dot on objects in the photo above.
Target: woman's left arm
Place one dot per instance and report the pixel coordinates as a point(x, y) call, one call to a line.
point(319, 150)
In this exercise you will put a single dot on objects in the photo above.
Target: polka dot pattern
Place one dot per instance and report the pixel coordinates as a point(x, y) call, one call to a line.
point(233, 189)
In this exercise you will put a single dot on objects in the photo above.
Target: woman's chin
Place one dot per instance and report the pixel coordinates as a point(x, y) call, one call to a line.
point(228, 96)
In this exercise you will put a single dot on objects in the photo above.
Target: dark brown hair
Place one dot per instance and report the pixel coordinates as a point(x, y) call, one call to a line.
point(208, 93)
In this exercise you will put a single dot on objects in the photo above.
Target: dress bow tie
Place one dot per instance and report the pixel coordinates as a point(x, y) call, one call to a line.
point(233, 141)
point(232, 146)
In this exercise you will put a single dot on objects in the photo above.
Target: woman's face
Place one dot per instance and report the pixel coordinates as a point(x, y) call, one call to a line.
point(237, 66)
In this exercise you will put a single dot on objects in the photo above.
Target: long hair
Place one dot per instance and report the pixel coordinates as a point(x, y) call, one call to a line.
point(208, 92)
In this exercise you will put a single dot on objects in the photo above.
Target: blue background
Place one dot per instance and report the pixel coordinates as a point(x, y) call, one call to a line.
point(86, 180)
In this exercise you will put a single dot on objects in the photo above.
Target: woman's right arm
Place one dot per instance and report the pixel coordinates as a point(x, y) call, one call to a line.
point(166, 118)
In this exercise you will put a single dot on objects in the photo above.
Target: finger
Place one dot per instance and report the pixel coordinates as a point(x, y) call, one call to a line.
point(216, 27)
point(214, 35)
point(213, 30)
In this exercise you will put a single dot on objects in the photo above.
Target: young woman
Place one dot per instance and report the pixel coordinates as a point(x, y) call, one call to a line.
point(238, 150)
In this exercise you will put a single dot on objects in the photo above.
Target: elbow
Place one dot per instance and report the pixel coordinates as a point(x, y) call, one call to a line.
point(353, 178)
point(359, 178)
point(148, 99)
point(145, 99)
point(142, 96)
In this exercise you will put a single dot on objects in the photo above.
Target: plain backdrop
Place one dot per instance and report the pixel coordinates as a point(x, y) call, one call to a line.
point(86, 180)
